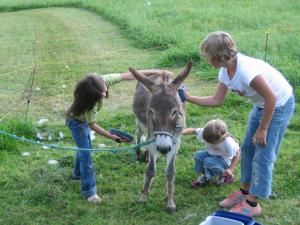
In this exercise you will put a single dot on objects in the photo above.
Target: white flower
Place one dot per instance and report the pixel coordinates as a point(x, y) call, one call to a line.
point(25, 154)
point(93, 135)
point(49, 137)
point(42, 121)
point(52, 162)
point(61, 135)
point(39, 136)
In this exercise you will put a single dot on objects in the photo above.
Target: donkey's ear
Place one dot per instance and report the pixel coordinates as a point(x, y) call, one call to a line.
point(142, 78)
point(184, 73)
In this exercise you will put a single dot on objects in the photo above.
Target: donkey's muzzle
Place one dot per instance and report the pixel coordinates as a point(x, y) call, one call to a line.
point(163, 150)
point(163, 142)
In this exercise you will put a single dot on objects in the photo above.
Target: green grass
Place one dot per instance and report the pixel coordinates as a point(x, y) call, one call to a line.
point(65, 43)
point(178, 26)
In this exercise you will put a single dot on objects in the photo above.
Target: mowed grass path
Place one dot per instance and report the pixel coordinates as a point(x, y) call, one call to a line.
point(64, 44)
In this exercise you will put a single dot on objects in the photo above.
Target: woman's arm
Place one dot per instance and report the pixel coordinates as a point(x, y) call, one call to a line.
point(262, 87)
point(215, 100)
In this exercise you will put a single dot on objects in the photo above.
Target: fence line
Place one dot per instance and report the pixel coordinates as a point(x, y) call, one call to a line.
point(12, 111)
point(52, 146)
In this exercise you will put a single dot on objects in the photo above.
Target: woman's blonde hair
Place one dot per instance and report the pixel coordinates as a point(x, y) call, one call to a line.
point(215, 131)
point(218, 46)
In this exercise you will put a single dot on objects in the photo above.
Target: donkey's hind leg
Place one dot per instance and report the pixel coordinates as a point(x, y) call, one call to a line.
point(150, 173)
point(170, 175)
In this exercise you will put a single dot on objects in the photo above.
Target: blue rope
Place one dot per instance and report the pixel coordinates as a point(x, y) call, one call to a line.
point(52, 146)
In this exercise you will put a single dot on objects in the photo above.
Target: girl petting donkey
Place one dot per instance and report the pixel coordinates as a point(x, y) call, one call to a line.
point(82, 117)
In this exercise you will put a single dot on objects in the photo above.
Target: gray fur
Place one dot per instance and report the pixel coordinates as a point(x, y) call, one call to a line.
point(160, 116)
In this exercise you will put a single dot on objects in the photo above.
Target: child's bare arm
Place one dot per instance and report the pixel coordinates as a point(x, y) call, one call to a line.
point(188, 131)
point(234, 162)
point(149, 72)
point(262, 87)
point(99, 130)
point(215, 100)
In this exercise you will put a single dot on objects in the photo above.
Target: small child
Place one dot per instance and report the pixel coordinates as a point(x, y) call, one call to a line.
point(220, 157)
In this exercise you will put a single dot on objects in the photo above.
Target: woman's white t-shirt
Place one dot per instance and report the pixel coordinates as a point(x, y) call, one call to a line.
point(247, 69)
point(226, 149)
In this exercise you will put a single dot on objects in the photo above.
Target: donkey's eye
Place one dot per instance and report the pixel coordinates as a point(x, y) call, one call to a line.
point(174, 113)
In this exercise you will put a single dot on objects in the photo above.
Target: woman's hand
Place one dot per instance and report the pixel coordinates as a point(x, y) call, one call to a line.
point(186, 95)
point(260, 137)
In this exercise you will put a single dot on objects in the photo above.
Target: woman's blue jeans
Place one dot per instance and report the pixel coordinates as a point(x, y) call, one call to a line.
point(257, 162)
point(83, 168)
point(209, 165)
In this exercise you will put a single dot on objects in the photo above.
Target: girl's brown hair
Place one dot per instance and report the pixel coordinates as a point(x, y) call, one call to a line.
point(214, 131)
point(218, 46)
point(87, 92)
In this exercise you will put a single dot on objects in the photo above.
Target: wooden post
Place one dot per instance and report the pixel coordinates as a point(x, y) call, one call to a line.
point(266, 44)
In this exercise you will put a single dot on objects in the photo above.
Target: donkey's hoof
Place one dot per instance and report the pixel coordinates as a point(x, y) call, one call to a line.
point(171, 210)
point(142, 199)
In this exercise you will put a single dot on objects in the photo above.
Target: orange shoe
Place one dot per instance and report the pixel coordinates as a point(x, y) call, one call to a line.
point(245, 209)
point(233, 199)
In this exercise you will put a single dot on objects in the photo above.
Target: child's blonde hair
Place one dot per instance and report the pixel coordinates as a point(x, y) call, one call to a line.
point(218, 46)
point(215, 131)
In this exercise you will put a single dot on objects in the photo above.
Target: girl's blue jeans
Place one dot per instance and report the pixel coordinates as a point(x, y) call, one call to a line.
point(257, 162)
point(209, 165)
point(83, 168)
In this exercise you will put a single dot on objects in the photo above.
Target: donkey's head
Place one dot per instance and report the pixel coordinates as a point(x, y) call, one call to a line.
point(165, 115)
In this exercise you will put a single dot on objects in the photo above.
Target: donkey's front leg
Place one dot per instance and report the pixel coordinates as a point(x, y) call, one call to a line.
point(138, 133)
point(150, 172)
point(170, 174)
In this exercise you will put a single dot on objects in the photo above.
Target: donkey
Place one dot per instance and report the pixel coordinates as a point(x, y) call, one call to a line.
point(160, 116)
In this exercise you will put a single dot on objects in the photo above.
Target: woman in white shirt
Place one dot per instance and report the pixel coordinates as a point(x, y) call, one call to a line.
point(273, 107)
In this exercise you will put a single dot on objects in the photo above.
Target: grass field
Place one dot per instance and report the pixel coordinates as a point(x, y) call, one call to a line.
point(57, 46)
